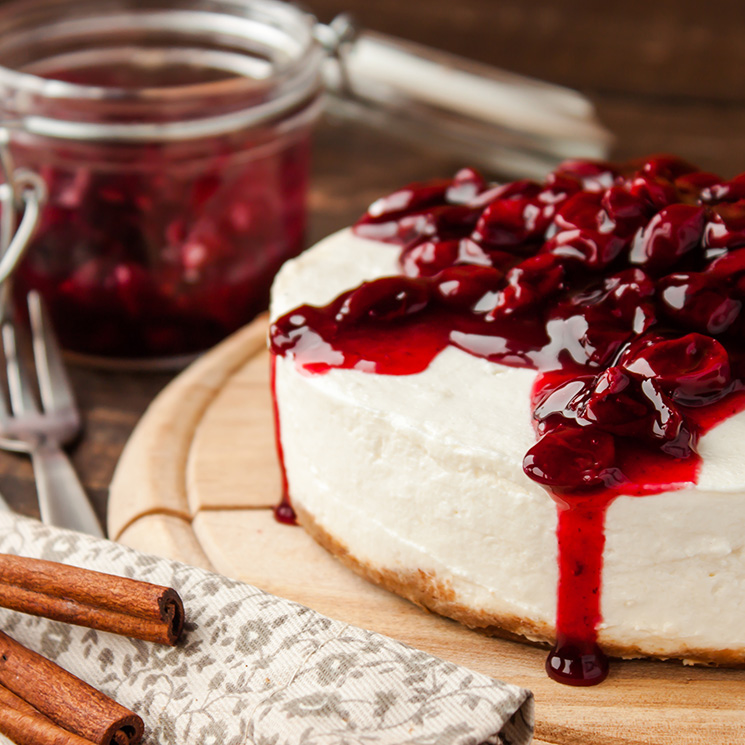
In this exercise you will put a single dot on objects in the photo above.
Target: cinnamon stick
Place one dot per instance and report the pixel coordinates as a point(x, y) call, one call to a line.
point(63, 698)
point(26, 726)
point(99, 601)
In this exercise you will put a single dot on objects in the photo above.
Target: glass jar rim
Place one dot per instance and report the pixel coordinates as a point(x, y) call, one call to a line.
point(289, 81)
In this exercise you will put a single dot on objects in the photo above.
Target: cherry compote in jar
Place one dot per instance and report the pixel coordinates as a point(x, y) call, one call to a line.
point(173, 136)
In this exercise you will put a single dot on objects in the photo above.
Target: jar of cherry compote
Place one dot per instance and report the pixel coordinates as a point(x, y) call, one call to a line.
point(173, 136)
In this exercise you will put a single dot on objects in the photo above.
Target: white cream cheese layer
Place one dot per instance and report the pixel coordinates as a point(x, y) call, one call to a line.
point(424, 472)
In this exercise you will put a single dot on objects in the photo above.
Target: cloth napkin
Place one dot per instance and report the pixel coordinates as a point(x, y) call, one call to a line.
point(256, 669)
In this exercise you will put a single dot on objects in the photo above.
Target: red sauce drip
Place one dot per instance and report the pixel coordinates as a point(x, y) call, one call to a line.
point(622, 285)
point(576, 659)
point(283, 512)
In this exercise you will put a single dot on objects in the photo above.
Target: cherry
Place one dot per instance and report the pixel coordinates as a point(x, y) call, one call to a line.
point(146, 260)
point(557, 190)
point(582, 231)
point(668, 167)
point(627, 211)
point(657, 192)
point(465, 186)
point(623, 405)
point(513, 222)
point(669, 235)
point(521, 189)
point(726, 227)
point(464, 285)
point(594, 175)
point(627, 296)
point(591, 249)
point(444, 221)
point(532, 282)
point(385, 299)
point(692, 186)
point(698, 301)
point(558, 401)
point(728, 191)
point(429, 257)
point(412, 198)
point(693, 369)
point(730, 265)
point(582, 210)
point(570, 458)
point(469, 252)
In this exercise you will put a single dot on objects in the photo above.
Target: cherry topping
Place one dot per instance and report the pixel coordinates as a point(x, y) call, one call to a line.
point(571, 458)
point(465, 187)
point(728, 191)
point(624, 405)
point(698, 301)
point(529, 284)
point(413, 198)
point(594, 175)
point(691, 187)
point(464, 285)
point(626, 211)
point(384, 300)
point(657, 192)
point(693, 369)
point(726, 228)
point(669, 235)
point(621, 285)
point(730, 265)
point(669, 167)
point(508, 223)
point(429, 257)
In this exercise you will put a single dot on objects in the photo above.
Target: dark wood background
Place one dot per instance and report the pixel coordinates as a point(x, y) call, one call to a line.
point(664, 76)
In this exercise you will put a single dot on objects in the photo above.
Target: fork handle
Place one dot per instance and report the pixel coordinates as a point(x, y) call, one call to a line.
point(62, 500)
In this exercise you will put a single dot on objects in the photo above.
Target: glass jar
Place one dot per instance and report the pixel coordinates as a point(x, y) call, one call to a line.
point(173, 136)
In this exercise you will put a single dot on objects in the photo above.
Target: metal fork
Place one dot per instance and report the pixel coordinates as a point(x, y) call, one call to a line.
point(40, 431)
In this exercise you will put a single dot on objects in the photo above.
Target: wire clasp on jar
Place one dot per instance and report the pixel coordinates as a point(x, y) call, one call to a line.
point(22, 192)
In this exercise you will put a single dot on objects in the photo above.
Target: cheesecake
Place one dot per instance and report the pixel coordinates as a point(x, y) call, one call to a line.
point(521, 406)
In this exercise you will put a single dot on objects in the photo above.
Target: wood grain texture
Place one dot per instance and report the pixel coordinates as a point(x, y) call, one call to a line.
point(152, 468)
point(211, 465)
point(166, 535)
point(641, 702)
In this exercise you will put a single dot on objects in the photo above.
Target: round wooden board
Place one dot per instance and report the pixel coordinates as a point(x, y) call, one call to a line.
point(197, 481)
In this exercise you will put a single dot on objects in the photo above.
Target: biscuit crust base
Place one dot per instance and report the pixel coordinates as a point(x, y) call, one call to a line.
point(432, 594)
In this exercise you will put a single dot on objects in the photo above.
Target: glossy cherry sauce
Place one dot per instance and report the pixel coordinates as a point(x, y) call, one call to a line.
point(160, 249)
point(622, 285)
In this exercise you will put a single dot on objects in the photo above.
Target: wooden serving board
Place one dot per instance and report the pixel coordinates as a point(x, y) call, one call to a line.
point(197, 481)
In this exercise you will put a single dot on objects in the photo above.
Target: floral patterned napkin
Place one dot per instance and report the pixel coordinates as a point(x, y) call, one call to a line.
point(256, 669)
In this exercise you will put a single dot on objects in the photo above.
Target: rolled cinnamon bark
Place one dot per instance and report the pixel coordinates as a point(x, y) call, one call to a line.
point(99, 601)
point(66, 700)
point(26, 726)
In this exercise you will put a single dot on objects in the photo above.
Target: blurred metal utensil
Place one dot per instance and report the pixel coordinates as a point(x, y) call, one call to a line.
point(41, 427)
point(42, 415)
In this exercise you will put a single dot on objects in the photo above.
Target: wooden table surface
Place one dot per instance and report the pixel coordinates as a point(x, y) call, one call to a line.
point(664, 76)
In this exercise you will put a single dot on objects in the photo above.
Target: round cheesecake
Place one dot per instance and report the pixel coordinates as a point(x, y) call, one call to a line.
point(422, 480)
